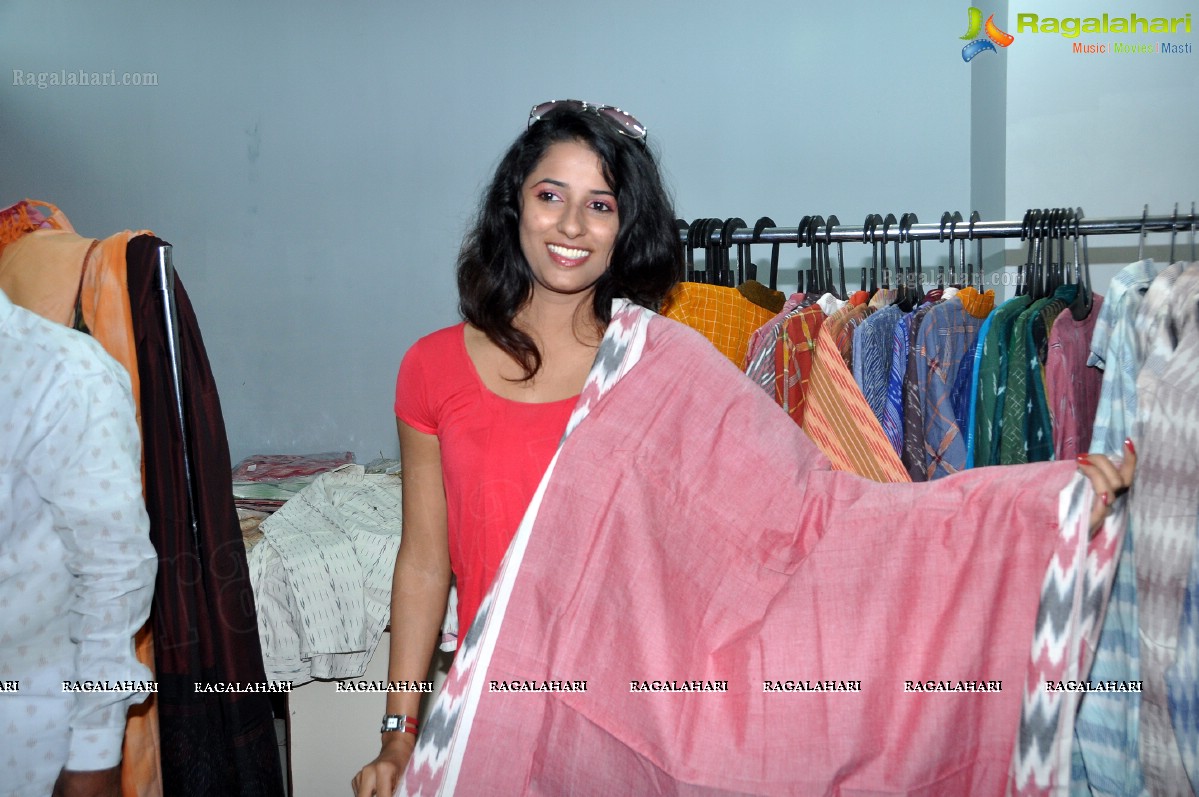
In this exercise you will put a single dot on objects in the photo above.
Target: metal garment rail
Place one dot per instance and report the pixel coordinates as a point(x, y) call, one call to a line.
point(170, 320)
point(961, 230)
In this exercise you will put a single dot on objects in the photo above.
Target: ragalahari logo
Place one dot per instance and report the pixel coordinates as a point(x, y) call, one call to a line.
point(977, 44)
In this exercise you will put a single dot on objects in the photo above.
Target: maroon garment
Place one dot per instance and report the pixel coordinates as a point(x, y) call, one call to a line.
point(205, 625)
point(1071, 386)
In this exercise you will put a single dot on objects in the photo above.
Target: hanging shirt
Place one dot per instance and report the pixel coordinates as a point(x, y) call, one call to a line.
point(1013, 445)
point(793, 360)
point(872, 350)
point(1165, 510)
point(1115, 349)
point(972, 377)
point(1071, 386)
point(720, 314)
point(992, 381)
point(893, 415)
point(1038, 425)
point(949, 331)
point(839, 421)
point(913, 402)
point(759, 357)
point(841, 326)
point(1108, 728)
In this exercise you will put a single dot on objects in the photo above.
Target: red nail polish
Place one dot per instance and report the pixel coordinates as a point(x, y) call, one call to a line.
point(1083, 459)
point(1128, 444)
point(1105, 498)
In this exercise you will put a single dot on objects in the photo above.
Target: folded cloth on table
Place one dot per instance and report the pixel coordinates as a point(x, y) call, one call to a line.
point(322, 576)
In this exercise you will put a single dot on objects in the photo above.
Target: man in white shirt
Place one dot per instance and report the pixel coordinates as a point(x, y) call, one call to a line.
point(76, 564)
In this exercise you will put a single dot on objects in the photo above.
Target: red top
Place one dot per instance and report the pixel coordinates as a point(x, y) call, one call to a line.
point(493, 453)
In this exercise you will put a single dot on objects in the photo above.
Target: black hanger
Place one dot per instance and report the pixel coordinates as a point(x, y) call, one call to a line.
point(953, 226)
point(884, 280)
point(946, 218)
point(693, 238)
point(726, 243)
point(801, 231)
point(1173, 232)
point(1063, 233)
point(833, 221)
point(1192, 232)
point(1036, 284)
point(978, 242)
point(760, 225)
point(812, 225)
point(1080, 308)
point(869, 232)
point(712, 252)
point(683, 227)
point(1141, 242)
point(903, 277)
point(1024, 272)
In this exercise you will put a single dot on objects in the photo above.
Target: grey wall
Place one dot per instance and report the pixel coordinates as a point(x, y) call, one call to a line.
point(315, 164)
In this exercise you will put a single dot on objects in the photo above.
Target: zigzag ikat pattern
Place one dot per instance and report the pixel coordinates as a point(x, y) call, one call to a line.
point(1165, 511)
point(1073, 597)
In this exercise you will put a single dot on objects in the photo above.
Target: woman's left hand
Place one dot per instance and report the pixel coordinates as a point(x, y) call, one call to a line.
point(1108, 479)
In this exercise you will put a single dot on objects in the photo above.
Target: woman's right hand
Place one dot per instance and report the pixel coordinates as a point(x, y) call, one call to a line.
point(380, 777)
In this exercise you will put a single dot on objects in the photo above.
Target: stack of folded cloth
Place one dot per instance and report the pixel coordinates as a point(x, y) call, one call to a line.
point(264, 482)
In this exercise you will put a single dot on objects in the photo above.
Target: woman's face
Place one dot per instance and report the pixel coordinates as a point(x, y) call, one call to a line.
point(568, 222)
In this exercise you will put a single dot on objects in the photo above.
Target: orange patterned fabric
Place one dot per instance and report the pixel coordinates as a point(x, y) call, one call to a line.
point(977, 304)
point(722, 315)
point(840, 422)
point(44, 271)
point(793, 359)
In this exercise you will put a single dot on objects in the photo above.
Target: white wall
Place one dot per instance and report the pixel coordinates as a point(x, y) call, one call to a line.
point(1107, 132)
point(315, 164)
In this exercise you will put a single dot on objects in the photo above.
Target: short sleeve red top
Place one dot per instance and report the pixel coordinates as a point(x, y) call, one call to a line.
point(494, 452)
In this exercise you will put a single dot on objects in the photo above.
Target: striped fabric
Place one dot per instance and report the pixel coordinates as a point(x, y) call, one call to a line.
point(793, 360)
point(972, 404)
point(840, 422)
point(759, 359)
point(912, 454)
point(1183, 677)
point(722, 315)
point(893, 413)
point(1165, 504)
point(948, 332)
point(1116, 350)
point(1106, 752)
point(872, 349)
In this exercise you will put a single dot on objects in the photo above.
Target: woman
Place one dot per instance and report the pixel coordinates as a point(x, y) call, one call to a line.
point(575, 216)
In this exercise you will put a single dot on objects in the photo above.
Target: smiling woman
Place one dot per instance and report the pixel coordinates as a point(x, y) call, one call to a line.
point(575, 217)
point(568, 224)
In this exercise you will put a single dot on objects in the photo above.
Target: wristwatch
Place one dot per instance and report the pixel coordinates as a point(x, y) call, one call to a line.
point(398, 722)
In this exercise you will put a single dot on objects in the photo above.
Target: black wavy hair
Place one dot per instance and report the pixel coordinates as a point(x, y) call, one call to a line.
point(494, 278)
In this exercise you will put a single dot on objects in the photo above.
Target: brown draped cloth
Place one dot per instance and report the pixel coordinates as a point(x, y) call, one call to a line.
point(204, 621)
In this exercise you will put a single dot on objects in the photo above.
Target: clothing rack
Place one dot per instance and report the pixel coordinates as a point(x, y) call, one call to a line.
point(718, 236)
point(942, 231)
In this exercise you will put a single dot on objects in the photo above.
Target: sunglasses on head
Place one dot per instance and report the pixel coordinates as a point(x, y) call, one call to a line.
point(626, 123)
